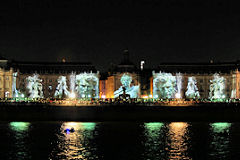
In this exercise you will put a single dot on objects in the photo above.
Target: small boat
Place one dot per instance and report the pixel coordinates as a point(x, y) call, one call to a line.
point(69, 130)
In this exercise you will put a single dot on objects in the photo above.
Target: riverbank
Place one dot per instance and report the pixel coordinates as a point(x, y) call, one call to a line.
point(204, 112)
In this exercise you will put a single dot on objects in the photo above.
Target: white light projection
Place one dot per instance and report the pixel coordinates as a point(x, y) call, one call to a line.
point(61, 90)
point(34, 86)
point(87, 85)
point(179, 85)
point(192, 89)
point(14, 89)
point(126, 81)
point(164, 85)
point(217, 87)
point(72, 82)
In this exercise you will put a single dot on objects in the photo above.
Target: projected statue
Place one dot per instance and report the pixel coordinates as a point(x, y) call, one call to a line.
point(126, 81)
point(179, 85)
point(217, 87)
point(61, 90)
point(34, 86)
point(72, 82)
point(164, 85)
point(14, 89)
point(87, 85)
point(192, 89)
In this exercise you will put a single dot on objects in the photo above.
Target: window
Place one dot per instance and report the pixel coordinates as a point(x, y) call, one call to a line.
point(7, 78)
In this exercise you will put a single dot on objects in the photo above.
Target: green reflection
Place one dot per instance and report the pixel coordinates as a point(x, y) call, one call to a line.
point(19, 126)
point(220, 127)
point(153, 128)
point(88, 125)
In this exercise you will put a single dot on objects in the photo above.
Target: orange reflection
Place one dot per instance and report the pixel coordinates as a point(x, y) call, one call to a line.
point(75, 145)
point(178, 140)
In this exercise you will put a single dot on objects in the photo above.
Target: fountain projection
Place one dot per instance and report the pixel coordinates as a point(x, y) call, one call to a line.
point(61, 90)
point(192, 89)
point(87, 85)
point(179, 85)
point(14, 89)
point(34, 86)
point(72, 82)
point(126, 81)
point(164, 85)
point(217, 87)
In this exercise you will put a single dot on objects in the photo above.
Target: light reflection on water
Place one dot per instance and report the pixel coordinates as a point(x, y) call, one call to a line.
point(75, 145)
point(21, 150)
point(155, 140)
point(220, 140)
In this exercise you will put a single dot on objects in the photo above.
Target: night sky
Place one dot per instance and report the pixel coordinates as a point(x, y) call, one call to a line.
point(99, 30)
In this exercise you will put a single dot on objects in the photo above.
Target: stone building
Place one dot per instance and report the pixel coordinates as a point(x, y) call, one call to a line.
point(6, 78)
point(204, 74)
point(49, 75)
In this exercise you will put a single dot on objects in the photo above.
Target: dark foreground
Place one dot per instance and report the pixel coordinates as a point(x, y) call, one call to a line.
point(206, 112)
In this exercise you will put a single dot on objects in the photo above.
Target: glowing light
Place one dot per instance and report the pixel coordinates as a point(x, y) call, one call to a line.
point(89, 96)
point(61, 89)
point(34, 86)
point(150, 96)
point(217, 87)
point(22, 95)
point(153, 126)
point(220, 127)
point(72, 95)
point(126, 80)
point(192, 89)
point(178, 95)
point(103, 96)
point(83, 95)
point(164, 85)
point(19, 126)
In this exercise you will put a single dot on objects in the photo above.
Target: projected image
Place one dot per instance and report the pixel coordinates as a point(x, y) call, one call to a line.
point(164, 85)
point(34, 86)
point(14, 89)
point(61, 90)
point(126, 81)
point(217, 87)
point(87, 85)
point(192, 89)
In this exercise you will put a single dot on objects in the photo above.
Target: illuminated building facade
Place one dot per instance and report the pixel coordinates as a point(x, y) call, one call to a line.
point(82, 80)
point(208, 80)
point(55, 80)
point(6, 78)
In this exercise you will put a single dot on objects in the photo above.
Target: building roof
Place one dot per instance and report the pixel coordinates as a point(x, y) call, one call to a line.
point(224, 67)
point(53, 67)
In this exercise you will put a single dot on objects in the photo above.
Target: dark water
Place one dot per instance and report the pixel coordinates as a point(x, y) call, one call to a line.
point(119, 140)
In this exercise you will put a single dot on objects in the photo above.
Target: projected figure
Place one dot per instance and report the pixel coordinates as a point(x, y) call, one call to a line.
point(217, 87)
point(126, 81)
point(164, 85)
point(72, 82)
point(192, 89)
point(34, 86)
point(87, 85)
point(61, 90)
point(179, 85)
point(14, 89)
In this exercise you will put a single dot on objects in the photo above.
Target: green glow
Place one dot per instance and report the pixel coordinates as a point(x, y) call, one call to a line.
point(220, 127)
point(88, 125)
point(153, 126)
point(19, 126)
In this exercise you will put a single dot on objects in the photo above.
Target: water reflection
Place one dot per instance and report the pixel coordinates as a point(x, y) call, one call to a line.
point(154, 144)
point(219, 145)
point(178, 139)
point(21, 150)
point(77, 144)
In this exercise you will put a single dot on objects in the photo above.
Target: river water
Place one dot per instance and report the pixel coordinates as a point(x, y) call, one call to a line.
point(119, 140)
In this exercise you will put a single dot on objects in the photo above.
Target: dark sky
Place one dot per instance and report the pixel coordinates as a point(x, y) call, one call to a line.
point(99, 30)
